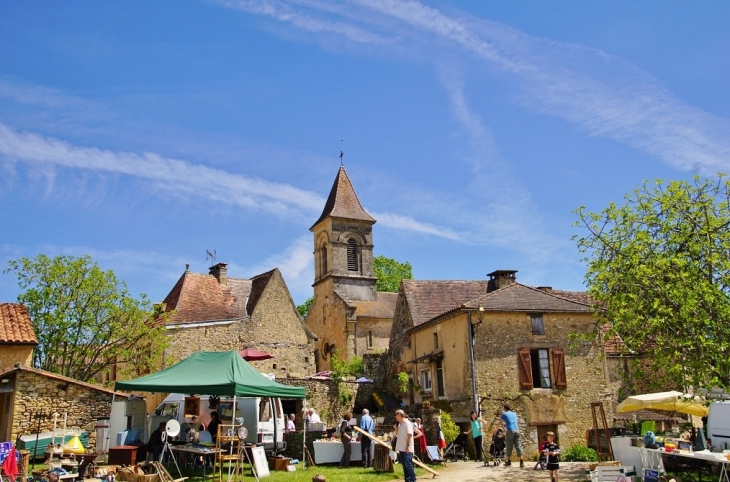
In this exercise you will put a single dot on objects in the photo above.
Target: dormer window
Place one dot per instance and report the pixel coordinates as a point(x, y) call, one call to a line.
point(352, 264)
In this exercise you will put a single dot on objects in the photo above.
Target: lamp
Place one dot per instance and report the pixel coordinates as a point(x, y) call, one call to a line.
point(480, 314)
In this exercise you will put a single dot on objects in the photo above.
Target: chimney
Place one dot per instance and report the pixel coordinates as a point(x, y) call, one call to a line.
point(220, 271)
point(546, 289)
point(500, 279)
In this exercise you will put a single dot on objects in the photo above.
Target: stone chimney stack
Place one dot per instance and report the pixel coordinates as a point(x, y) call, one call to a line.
point(220, 271)
point(500, 279)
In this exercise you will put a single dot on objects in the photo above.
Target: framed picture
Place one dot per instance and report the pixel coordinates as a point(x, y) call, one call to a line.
point(192, 406)
point(684, 445)
point(259, 461)
point(651, 475)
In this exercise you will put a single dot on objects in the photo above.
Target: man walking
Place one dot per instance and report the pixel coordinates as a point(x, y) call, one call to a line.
point(367, 424)
point(513, 439)
point(404, 445)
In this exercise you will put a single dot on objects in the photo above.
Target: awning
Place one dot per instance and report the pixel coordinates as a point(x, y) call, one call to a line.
point(433, 356)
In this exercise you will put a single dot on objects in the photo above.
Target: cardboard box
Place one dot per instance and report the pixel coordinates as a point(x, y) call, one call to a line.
point(278, 463)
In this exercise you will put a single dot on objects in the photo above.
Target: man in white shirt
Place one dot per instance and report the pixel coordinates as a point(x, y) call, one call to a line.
point(404, 445)
point(312, 416)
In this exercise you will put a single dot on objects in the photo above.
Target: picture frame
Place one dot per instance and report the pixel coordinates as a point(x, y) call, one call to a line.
point(192, 406)
point(260, 462)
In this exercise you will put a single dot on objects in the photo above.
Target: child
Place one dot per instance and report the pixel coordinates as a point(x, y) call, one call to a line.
point(542, 453)
point(553, 456)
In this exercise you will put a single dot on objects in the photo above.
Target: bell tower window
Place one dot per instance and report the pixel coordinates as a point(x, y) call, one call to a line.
point(323, 260)
point(352, 264)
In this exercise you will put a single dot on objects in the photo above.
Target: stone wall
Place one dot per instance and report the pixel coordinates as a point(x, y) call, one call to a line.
point(329, 401)
point(274, 327)
point(40, 393)
point(12, 354)
point(588, 380)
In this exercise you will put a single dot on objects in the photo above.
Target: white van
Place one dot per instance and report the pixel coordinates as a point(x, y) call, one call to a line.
point(718, 425)
point(262, 416)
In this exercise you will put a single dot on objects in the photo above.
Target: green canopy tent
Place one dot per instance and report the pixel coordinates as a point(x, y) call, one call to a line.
point(212, 373)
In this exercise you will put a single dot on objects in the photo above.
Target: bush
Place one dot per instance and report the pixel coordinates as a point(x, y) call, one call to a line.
point(578, 453)
point(449, 428)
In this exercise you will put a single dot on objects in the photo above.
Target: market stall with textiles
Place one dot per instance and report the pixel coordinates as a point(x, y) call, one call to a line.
point(212, 373)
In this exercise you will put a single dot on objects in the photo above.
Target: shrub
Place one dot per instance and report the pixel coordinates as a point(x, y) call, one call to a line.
point(578, 453)
point(448, 427)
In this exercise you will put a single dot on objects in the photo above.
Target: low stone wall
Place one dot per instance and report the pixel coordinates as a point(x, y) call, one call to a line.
point(45, 395)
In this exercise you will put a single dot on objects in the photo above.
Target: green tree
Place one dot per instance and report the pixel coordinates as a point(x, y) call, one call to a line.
point(389, 273)
point(304, 308)
point(84, 318)
point(658, 266)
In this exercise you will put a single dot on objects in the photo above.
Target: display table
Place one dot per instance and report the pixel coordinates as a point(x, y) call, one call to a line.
point(331, 452)
point(194, 451)
point(703, 456)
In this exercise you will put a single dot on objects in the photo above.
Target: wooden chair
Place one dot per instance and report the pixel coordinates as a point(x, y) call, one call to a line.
point(228, 446)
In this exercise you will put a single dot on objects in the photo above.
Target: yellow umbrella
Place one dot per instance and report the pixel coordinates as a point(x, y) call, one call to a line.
point(671, 401)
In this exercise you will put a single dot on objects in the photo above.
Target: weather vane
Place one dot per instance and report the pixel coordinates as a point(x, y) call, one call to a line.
point(210, 255)
point(342, 152)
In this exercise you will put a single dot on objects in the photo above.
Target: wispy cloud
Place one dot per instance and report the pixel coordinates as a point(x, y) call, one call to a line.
point(296, 264)
point(193, 179)
point(602, 94)
point(176, 177)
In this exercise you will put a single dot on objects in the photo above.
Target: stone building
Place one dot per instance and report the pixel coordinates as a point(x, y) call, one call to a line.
point(17, 336)
point(348, 313)
point(524, 352)
point(30, 397)
point(215, 312)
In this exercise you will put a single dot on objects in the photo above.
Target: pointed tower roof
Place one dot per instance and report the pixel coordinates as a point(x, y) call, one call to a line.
point(343, 202)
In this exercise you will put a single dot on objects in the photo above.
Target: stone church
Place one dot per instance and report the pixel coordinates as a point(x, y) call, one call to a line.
point(349, 315)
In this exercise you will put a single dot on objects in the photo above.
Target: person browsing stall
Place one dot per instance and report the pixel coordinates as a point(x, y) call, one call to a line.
point(367, 425)
point(346, 439)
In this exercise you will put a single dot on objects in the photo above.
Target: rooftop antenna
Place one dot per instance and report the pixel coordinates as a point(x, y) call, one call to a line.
point(342, 152)
point(210, 255)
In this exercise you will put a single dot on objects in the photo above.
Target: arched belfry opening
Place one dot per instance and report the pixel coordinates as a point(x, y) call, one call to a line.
point(352, 255)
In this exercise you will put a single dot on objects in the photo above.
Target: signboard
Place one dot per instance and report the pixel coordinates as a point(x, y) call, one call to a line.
point(651, 475)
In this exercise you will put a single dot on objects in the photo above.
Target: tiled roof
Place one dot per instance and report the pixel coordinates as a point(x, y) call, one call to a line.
point(15, 325)
point(343, 202)
point(383, 306)
point(579, 296)
point(199, 297)
point(429, 299)
point(519, 297)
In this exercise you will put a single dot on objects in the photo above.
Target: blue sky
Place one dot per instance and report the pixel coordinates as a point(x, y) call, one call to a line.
point(143, 133)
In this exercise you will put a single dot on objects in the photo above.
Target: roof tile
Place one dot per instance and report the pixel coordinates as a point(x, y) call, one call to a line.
point(15, 325)
point(343, 202)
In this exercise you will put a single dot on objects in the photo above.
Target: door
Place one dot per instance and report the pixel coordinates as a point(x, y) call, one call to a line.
point(6, 413)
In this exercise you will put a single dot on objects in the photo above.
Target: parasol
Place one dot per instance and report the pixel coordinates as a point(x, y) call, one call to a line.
point(671, 401)
point(249, 354)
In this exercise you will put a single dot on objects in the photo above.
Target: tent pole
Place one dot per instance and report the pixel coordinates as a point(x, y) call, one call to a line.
point(304, 433)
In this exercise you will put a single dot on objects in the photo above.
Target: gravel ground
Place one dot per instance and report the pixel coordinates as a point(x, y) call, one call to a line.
point(473, 472)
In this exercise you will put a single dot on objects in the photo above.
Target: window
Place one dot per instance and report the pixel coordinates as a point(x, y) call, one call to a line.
point(440, 379)
point(542, 368)
point(538, 326)
point(264, 410)
point(435, 341)
point(370, 339)
point(323, 261)
point(426, 380)
point(352, 255)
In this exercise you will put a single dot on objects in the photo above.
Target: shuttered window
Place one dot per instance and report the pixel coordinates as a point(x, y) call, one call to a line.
point(538, 326)
point(542, 368)
point(352, 264)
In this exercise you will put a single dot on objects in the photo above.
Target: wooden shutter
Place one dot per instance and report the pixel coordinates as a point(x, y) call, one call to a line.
point(525, 368)
point(561, 380)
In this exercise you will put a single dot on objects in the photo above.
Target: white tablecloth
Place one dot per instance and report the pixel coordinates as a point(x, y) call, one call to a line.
point(331, 452)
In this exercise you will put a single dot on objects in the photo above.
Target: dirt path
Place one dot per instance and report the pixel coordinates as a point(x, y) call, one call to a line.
point(477, 472)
